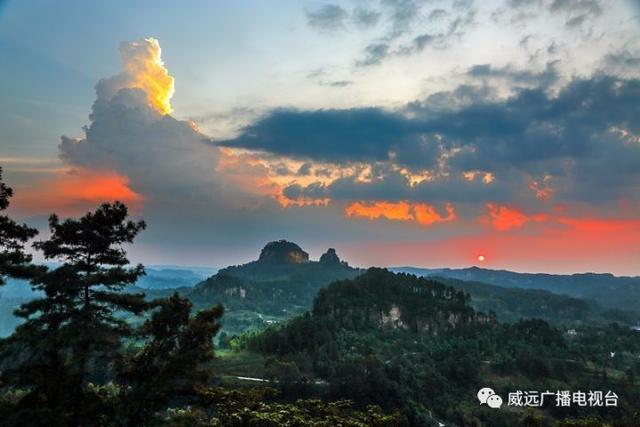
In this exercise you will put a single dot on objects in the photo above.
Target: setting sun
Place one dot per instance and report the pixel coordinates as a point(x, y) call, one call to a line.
point(481, 258)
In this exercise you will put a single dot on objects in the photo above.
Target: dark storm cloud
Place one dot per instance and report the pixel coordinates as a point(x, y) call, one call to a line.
point(327, 17)
point(585, 136)
point(333, 135)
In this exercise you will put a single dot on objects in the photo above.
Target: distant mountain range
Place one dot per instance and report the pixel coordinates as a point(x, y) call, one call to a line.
point(609, 291)
point(283, 281)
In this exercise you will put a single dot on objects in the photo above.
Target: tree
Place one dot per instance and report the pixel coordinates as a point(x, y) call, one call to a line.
point(74, 329)
point(14, 262)
point(172, 363)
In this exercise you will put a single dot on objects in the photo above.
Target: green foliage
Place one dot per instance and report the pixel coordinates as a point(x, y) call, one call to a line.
point(620, 293)
point(254, 407)
point(367, 301)
point(71, 334)
point(282, 283)
point(513, 304)
point(66, 365)
point(433, 373)
point(172, 362)
point(14, 262)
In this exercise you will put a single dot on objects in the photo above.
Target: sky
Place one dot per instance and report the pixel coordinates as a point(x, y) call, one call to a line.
point(431, 133)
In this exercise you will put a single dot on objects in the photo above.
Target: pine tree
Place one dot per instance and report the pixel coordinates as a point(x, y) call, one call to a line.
point(74, 330)
point(172, 365)
point(14, 262)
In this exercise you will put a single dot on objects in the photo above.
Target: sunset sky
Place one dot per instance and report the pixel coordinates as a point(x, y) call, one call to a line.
point(432, 133)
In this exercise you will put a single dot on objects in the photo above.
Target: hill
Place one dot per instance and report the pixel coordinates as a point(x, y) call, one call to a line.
point(382, 299)
point(283, 281)
point(610, 291)
point(513, 304)
point(415, 345)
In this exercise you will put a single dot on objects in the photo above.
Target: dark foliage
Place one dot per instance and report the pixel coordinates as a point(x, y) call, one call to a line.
point(14, 262)
point(172, 362)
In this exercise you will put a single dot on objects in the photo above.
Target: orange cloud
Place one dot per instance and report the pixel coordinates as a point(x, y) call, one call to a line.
point(421, 213)
point(142, 69)
point(503, 218)
point(542, 190)
point(142, 61)
point(74, 192)
point(427, 215)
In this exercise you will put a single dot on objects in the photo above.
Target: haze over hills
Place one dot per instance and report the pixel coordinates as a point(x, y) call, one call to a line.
point(610, 291)
point(283, 281)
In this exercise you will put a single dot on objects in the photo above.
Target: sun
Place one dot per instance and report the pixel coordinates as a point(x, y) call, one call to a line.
point(481, 258)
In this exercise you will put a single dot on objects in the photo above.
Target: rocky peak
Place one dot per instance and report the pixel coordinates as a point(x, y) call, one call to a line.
point(283, 251)
point(330, 257)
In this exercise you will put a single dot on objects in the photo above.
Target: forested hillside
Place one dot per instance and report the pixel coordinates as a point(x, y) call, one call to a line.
point(415, 345)
point(282, 282)
point(610, 291)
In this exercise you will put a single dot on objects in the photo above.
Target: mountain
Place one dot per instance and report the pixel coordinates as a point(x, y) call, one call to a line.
point(382, 299)
point(283, 281)
point(512, 304)
point(170, 278)
point(415, 345)
point(610, 291)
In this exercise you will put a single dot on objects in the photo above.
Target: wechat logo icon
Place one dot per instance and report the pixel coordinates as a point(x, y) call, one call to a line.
point(489, 397)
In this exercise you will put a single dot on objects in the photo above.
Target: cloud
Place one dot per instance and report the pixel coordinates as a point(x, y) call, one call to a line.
point(336, 83)
point(327, 17)
point(437, 14)
point(159, 154)
point(536, 143)
point(504, 218)
point(592, 7)
point(420, 213)
point(331, 135)
point(623, 60)
point(165, 160)
point(576, 12)
point(512, 75)
point(375, 53)
point(398, 37)
point(402, 15)
point(402, 20)
point(143, 69)
point(74, 191)
point(365, 18)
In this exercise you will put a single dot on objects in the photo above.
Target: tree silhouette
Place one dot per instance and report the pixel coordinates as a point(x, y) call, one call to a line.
point(172, 363)
point(14, 262)
point(74, 329)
